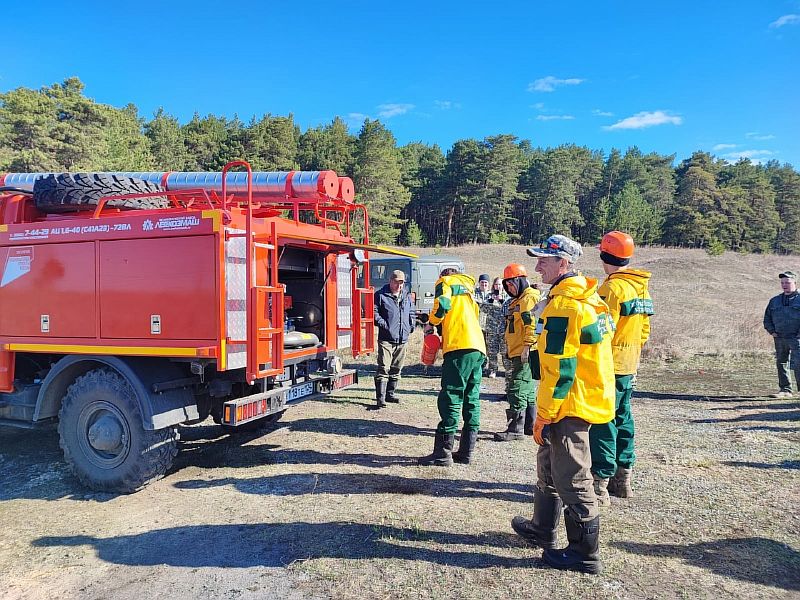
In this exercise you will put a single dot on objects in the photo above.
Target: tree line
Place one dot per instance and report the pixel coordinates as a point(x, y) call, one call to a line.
point(497, 190)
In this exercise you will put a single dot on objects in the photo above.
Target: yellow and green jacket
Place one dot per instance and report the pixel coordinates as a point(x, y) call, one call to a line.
point(520, 328)
point(574, 354)
point(631, 307)
point(454, 307)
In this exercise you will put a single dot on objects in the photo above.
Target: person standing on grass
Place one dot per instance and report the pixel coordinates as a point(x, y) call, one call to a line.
point(520, 336)
point(782, 322)
point(625, 291)
point(395, 318)
point(456, 312)
point(493, 324)
point(576, 390)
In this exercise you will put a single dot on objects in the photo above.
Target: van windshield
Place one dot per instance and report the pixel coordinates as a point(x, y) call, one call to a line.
point(380, 272)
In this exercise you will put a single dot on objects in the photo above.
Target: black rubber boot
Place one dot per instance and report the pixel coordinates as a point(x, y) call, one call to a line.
point(391, 386)
point(516, 425)
point(582, 552)
point(465, 447)
point(380, 392)
point(542, 529)
point(442, 451)
point(530, 417)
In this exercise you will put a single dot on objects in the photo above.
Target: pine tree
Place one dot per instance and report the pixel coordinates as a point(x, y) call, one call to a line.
point(378, 181)
point(786, 183)
point(167, 142)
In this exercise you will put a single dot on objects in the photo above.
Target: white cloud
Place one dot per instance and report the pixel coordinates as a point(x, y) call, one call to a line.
point(754, 135)
point(756, 156)
point(538, 106)
point(785, 20)
point(719, 147)
point(550, 83)
point(554, 117)
point(357, 116)
point(646, 119)
point(602, 113)
point(387, 111)
point(447, 104)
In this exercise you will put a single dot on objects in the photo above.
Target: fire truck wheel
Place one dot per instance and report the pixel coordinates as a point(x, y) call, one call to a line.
point(69, 192)
point(104, 443)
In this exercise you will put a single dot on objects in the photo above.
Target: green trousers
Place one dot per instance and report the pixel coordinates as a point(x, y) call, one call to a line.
point(612, 443)
point(461, 390)
point(522, 390)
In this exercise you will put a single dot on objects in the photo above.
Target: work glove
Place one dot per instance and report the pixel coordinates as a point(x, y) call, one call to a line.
point(427, 328)
point(422, 317)
point(526, 352)
point(541, 430)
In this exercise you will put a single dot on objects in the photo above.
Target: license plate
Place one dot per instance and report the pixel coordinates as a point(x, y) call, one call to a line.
point(300, 391)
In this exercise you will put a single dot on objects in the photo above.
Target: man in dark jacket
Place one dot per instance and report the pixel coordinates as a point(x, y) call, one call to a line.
point(394, 317)
point(782, 322)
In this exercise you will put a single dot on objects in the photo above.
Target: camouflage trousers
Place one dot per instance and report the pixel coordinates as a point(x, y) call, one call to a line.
point(494, 343)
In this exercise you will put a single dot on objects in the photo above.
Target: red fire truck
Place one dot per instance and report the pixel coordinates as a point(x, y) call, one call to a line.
point(131, 303)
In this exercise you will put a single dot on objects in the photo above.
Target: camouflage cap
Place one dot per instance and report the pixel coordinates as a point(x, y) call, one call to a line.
point(558, 245)
point(787, 275)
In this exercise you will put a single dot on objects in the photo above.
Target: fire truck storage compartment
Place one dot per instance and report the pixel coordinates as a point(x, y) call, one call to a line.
point(162, 288)
point(51, 288)
point(302, 271)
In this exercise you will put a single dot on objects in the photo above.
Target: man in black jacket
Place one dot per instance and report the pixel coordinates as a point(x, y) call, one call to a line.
point(395, 318)
point(782, 322)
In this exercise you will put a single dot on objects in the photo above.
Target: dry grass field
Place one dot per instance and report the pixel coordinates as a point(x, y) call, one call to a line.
point(329, 502)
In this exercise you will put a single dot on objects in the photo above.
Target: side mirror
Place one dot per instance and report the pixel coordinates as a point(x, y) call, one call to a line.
point(358, 256)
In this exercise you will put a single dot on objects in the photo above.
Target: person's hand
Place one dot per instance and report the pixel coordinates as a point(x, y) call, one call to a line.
point(526, 352)
point(422, 317)
point(774, 335)
point(541, 429)
point(428, 328)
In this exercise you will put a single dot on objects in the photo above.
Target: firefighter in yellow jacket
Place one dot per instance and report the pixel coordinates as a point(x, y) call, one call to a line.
point(576, 391)
point(625, 291)
point(520, 335)
point(464, 350)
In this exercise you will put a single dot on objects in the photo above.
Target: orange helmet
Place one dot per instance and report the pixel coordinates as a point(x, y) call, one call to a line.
point(514, 270)
point(618, 244)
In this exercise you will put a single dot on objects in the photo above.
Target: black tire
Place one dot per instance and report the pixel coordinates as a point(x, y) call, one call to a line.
point(68, 192)
point(101, 409)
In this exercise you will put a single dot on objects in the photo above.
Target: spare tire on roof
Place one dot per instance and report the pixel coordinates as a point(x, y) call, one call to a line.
point(69, 192)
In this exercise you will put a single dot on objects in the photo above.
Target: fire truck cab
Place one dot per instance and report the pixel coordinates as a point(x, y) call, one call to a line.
point(131, 303)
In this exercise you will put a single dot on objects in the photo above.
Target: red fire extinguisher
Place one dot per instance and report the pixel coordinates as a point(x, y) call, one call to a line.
point(430, 348)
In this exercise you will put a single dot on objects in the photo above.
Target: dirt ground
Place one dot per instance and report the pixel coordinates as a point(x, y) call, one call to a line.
point(330, 503)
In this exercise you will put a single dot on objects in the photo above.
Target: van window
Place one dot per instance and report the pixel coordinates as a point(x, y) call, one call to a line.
point(381, 272)
point(428, 272)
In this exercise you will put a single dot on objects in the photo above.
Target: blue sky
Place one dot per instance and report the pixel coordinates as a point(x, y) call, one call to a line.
point(669, 77)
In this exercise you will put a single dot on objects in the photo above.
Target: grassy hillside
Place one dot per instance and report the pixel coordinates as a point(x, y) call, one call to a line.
point(704, 304)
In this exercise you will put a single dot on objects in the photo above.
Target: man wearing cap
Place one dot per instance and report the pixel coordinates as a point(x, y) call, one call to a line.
point(576, 389)
point(782, 322)
point(394, 317)
point(625, 291)
point(488, 317)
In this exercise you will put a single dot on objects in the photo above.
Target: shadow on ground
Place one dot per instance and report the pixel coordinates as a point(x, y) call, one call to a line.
point(755, 559)
point(645, 395)
point(787, 464)
point(281, 544)
point(299, 484)
point(781, 415)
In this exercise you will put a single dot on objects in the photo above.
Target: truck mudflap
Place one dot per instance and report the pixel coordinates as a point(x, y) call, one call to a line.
point(256, 406)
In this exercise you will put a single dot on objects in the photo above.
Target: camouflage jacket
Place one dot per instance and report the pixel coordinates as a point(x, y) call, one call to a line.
point(492, 317)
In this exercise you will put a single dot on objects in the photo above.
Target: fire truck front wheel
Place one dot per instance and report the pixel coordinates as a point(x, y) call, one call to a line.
point(104, 442)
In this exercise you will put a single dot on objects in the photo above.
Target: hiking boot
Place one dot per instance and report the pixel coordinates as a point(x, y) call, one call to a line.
point(542, 529)
point(601, 491)
point(582, 552)
point(516, 425)
point(465, 447)
point(442, 455)
point(782, 394)
point(620, 484)
point(380, 392)
point(530, 418)
point(391, 386)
